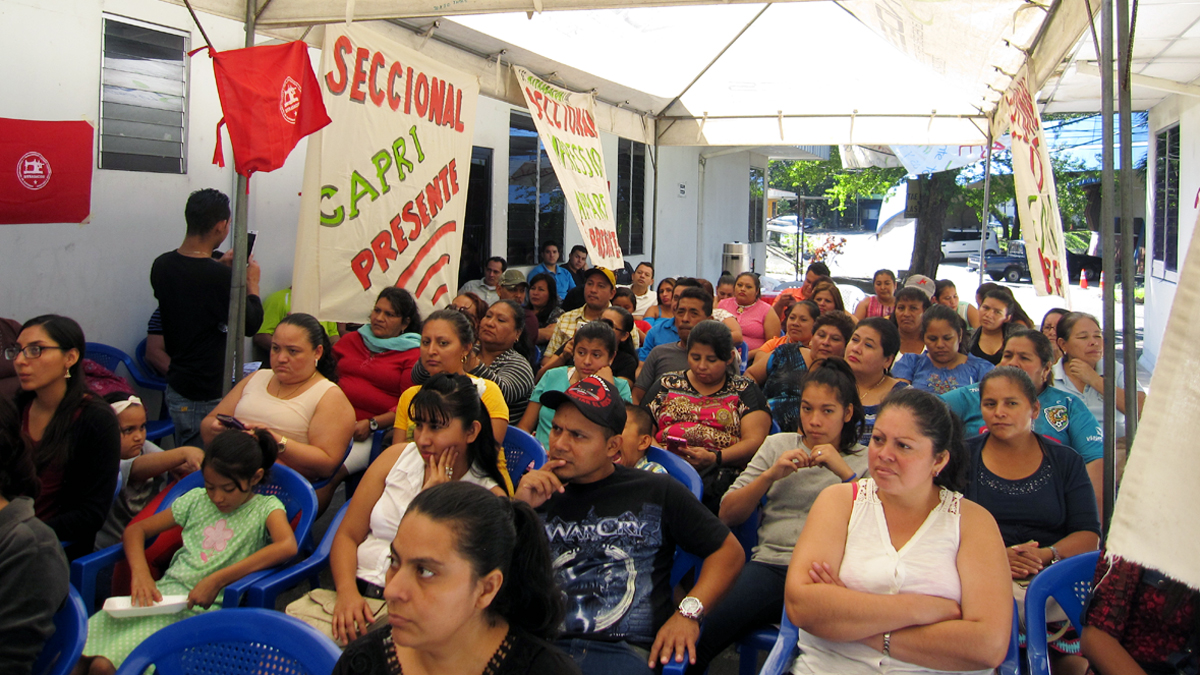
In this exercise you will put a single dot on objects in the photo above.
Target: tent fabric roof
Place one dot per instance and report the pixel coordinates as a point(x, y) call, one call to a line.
point(734, 74)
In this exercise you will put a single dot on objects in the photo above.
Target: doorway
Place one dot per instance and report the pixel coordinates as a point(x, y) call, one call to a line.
point(477, 222)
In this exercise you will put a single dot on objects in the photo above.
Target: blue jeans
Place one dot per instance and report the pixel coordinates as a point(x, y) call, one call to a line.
point(754, 602)
point(595, 657)
point(188, 415)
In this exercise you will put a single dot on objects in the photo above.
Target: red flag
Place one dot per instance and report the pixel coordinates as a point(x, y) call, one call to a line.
point(271, 99)
point(45, 171)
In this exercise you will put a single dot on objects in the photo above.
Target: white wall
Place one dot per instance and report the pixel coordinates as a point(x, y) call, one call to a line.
point(98, 273)
point(1160, 292)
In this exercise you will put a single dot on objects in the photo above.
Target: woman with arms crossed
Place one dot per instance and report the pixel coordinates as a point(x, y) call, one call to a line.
point(856, 610)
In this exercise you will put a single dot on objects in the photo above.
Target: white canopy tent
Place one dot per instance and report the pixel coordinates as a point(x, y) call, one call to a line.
point(686, 73)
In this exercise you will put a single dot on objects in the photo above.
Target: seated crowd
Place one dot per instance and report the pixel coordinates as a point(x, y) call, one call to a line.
point(897, 474)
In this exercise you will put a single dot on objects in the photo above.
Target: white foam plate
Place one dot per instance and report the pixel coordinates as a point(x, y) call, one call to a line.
point(122, 607)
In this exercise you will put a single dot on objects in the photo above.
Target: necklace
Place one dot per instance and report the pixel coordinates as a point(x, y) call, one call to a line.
point(862, 393)
point(295, 388)
point(193, 254)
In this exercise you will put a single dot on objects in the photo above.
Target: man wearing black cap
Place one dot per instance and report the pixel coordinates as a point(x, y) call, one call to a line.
point(613, 533)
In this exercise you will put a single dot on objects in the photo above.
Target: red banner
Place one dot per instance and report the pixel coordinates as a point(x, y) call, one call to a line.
point(271, 99)
point(45, 171)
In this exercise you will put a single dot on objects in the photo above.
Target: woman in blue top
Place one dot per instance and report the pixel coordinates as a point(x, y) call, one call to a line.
point(1037, 490)
point(942, 367)
point(1063, 419)
point(595, 346)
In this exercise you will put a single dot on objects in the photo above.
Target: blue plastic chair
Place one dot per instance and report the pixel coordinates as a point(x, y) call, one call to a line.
point(1070, 583)
point(519, 450)
point(680, 470)
point(111, 358)
point(779, 661)
point(148, 372)
point(290, 487)
point(63, 649)
point(233, 642)
point(744, 351)
point(264, 592)
point(774, 427)
point(1012, 659)
point(325, 481)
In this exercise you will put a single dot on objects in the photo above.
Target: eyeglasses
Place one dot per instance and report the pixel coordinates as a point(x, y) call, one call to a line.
point(30, 352)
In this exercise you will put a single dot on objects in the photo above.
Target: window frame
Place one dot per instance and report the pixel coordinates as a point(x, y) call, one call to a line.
point(634, 205)
point(104, 121)
point(516, 257)
point(1165, 207)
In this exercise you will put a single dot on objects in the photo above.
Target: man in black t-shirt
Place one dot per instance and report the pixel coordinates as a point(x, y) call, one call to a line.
point(193, 296)
point(613, 533)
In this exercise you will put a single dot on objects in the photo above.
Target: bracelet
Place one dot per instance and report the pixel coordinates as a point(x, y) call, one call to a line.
point(1054, 556)
point(718, 454)
point(887, 644)
point(851, 479)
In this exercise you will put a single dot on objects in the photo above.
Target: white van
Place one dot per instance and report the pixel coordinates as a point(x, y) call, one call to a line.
point(962, 243)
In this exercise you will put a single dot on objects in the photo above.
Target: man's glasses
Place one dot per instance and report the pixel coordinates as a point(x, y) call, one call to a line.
point(30, 352)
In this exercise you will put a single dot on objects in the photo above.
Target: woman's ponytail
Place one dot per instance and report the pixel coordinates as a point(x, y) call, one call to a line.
point(530, 595)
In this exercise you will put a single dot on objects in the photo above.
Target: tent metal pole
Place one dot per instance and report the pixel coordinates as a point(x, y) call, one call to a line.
point(1129, 335)
point(1107, 194)
point(987, 194)
point(654, 215)
point(235, 324)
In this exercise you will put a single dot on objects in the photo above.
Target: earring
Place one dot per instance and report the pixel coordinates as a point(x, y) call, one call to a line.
point(68, 375)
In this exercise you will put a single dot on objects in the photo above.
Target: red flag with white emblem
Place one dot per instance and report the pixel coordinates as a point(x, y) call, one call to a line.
point(45, 171)
point(271, 99)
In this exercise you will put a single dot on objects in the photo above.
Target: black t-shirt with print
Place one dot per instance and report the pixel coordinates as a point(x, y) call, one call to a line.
point(613, 542)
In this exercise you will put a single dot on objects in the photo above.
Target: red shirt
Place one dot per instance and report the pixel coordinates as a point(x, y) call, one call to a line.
point(373, 382)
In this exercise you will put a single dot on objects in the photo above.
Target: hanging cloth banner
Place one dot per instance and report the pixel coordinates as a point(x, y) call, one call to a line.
point(271, 100)
point(1153, 522)
point(1037, 199)
point(923, 159)
point(566, 123)
point(45, 171)
point(385, 184)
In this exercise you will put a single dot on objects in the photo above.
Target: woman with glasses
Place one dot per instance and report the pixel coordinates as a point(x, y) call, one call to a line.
point(71, 434)
point(625, 361)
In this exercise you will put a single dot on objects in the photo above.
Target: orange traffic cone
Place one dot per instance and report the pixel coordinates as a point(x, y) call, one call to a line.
point(1083, 280)
point(1102, 281)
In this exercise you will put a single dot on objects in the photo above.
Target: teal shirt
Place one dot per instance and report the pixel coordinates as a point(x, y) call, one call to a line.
point(1063, 419)
point(557, 379)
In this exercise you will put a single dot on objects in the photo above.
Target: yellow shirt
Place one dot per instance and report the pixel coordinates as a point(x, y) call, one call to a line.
point(493, 401)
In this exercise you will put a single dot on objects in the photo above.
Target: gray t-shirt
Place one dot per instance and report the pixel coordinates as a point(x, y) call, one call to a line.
point(663, 359)
point(789, 499)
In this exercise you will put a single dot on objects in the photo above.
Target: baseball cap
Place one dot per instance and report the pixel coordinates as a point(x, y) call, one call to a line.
point(608, 276)
point(597, 398)
point(512, 278)
point(922, 282)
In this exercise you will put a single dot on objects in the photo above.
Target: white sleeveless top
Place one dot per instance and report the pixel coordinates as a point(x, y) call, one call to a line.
point(927, 564)
point(289, 417)
point(402, 485)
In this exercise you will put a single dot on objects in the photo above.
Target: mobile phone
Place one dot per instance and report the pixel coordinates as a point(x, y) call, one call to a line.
point(676, 444)
point(231, 422)
point(251, 236)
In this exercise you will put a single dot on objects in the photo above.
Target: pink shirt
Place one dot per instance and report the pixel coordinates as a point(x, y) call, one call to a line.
point(751, 319)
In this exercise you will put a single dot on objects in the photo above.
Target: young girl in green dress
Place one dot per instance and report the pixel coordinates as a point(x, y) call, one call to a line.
point(226, 530)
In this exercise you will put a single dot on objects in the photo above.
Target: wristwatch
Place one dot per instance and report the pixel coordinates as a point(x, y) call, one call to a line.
point(1054, 556)
point(282, 444)
point(373, 424)
point(691, 608)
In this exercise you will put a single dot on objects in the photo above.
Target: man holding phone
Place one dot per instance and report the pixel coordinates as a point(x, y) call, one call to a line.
point(193, 297)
